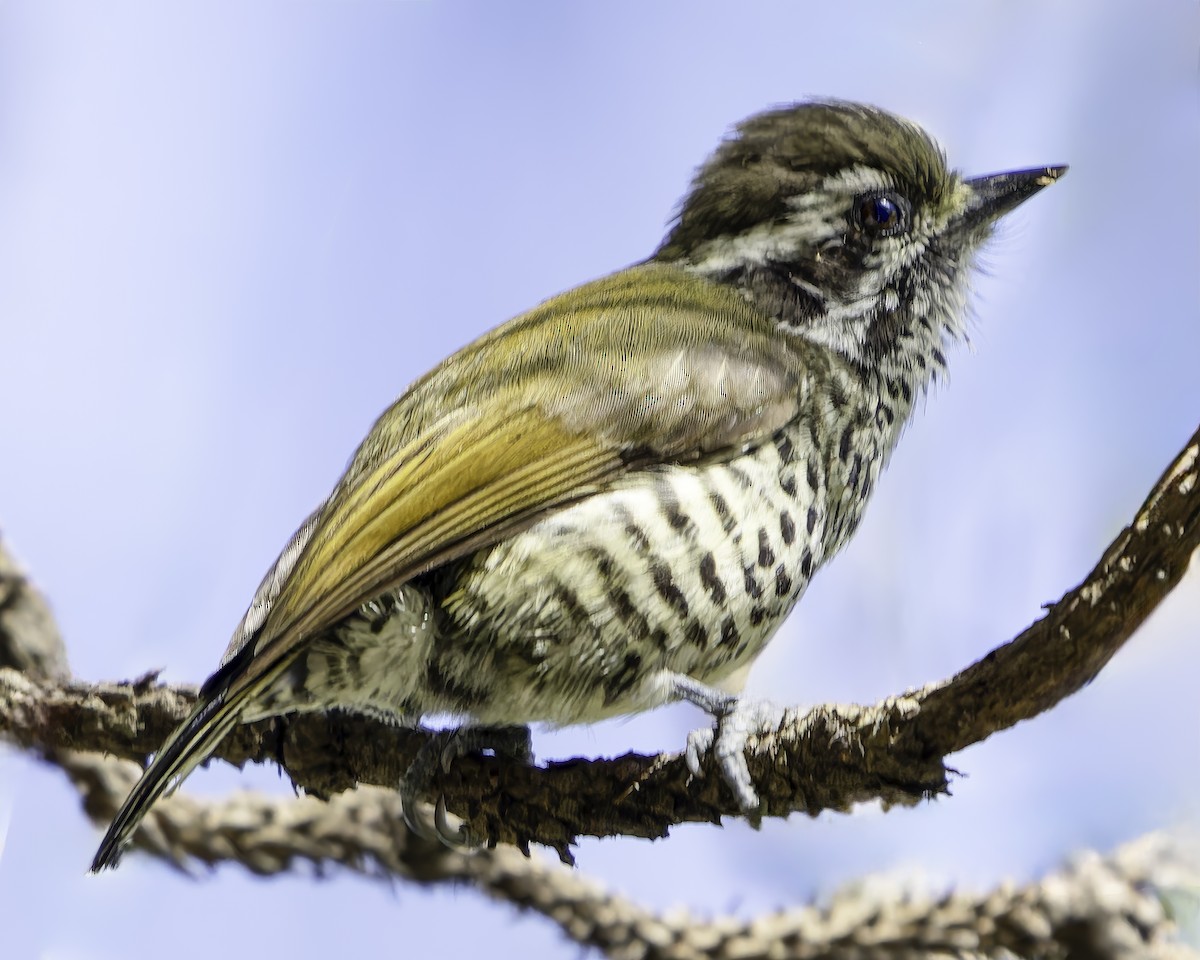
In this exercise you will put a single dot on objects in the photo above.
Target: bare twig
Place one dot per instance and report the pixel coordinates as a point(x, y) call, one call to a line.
point(827, 758)
point(1095, 907)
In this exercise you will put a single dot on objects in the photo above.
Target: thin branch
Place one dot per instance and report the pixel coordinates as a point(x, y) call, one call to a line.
point(1094, 907)
point(824, 759)
point(1064, 651)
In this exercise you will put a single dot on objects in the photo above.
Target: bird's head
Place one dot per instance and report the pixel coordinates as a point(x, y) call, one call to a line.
point(844, 224)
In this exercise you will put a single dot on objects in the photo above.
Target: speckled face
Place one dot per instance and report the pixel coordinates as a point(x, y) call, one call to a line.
point(844, 224)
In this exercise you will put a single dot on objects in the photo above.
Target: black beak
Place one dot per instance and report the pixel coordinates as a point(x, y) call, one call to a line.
point(998, 193)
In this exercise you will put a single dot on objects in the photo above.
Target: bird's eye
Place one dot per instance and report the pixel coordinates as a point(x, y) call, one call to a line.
point(881, 214)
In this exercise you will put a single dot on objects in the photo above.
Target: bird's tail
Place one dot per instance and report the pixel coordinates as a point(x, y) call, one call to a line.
point(222, 701)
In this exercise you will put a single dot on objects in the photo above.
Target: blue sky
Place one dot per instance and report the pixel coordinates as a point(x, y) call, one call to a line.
point(231, 233)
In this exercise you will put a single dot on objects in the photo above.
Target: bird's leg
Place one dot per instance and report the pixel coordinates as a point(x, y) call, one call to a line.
point(736, 720)
point(441, 749)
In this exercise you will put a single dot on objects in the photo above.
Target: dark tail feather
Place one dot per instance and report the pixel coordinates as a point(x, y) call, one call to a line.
point(237, 683)
point(190, 744)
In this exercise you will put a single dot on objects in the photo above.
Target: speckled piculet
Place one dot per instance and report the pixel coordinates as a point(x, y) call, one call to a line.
point(614, 500)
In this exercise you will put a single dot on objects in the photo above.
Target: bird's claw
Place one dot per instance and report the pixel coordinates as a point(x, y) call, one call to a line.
point(437, 827)
point(727, 741)
point(441, 750)
point(456, 837)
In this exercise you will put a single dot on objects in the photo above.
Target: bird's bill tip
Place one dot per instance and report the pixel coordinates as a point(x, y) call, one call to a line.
point(997, 193)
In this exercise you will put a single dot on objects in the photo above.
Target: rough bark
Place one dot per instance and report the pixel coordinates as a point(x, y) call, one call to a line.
point(826, 758)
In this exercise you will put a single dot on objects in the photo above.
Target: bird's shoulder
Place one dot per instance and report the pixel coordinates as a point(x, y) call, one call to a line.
point(647, 366)
point(652, 356)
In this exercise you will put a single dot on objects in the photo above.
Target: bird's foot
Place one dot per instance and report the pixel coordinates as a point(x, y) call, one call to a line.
point(736, 721)
point(440, 750)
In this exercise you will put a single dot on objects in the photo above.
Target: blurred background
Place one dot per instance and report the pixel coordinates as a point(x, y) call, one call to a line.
point(231, 233)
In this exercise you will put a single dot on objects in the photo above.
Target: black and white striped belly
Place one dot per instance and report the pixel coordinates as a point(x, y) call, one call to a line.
point(681, 570)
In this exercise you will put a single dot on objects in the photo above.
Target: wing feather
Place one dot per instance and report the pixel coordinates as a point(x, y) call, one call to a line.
point(546, 409)
point(498, 478)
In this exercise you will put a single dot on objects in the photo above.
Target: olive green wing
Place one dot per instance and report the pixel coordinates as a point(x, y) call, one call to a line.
point(464, 484)
point(543, 411)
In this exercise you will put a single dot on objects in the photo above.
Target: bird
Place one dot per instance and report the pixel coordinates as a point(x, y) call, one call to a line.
point(613, 501)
